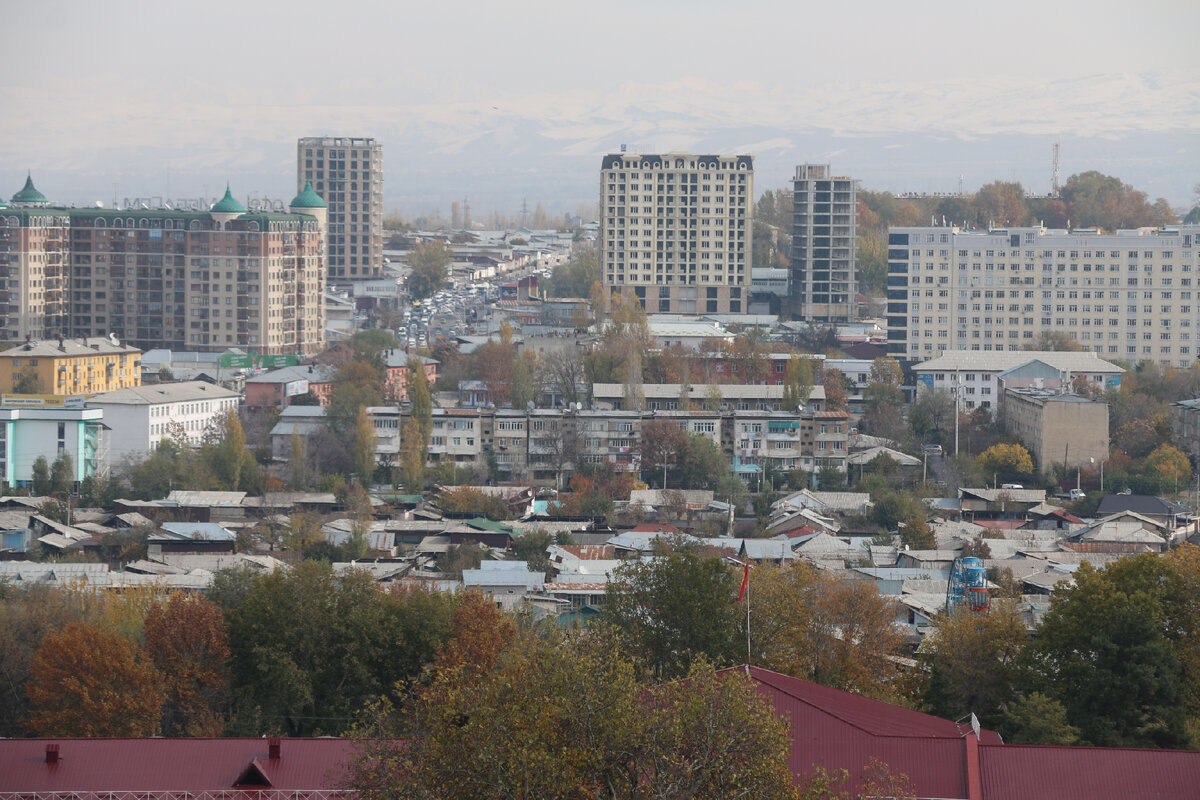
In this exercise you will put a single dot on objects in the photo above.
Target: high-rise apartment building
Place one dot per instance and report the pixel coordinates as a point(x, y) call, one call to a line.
point(348, 173)
point(166, 278)
point(677, 230)
point(822, 283)
point(1128, 295)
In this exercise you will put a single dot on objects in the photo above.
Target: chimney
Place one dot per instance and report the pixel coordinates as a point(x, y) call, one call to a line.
point(61, 346)
point(272, 749)
point(51, 754)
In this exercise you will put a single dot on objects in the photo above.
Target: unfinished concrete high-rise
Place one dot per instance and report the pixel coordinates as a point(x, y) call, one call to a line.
point(823, 282)
point(347, 171)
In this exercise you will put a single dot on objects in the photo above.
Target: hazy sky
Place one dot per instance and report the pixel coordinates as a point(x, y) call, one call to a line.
point(519, 99)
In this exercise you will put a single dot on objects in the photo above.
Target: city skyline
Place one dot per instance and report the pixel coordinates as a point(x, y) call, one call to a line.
point(518, 102)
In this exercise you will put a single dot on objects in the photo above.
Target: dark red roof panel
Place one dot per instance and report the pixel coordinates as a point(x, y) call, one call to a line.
point(1018, 772)
point(169, 765)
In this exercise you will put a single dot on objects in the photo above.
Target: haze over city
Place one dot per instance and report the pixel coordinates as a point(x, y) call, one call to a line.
point(502, 103)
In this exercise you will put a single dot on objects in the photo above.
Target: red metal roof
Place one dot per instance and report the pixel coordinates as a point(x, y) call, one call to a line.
point(1017, 772)
point(169, 765)
point(841, 730)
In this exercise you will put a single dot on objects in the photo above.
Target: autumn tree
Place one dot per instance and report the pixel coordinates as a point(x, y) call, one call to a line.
point(28, 614)
point(836, 394)
point(364, 448)
point(1007, 460)
point(971, 662)
point(412, 457)
point(675, 608)
point(469, 500)
point(824, 628)
point(479, 635)
point(90, 682)
point(663, 443)
point(701, 463)
point(562, 715)
point(1094, 199)
point(798, 381)
point(1053, 340)
point(563, 370)
point(1170, 466)
point(187, 641)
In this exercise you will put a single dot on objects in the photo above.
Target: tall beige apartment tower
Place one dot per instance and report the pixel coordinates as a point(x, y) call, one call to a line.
point(348, 172)
point(676, 230)
point(181, 279)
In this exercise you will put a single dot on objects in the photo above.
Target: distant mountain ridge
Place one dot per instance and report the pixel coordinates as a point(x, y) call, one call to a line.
point(546, 146)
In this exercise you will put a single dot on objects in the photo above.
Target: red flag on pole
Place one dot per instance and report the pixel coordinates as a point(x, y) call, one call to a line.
point(745, 581)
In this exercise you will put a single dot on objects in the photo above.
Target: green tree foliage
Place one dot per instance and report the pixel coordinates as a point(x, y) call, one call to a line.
point(1000, 204)
point(62, 476)
point(971, 663)
point(870, 261)
point(703, 464)
point(562, 715)
point(1117, 650)
point(531, 547)
point(576, 277)
point(429, 262)
point(524, 389)
point(310, 646)
point(675, 608)
point(1038, 719)
point(41, 483)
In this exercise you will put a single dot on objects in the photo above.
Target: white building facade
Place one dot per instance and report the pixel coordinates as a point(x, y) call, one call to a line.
point(141, 417)
point(1128, 295)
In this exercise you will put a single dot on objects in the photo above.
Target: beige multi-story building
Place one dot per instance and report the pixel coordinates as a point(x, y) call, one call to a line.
point(676, 230)
point(202, 280)
point(348, 172)
point(822, 283)
point(1058, 428)
point(1127, 295)
point(34, 255)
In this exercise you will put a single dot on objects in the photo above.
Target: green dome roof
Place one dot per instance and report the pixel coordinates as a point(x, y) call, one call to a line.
point(227, 205)
point(29, 194)
point(307, 198)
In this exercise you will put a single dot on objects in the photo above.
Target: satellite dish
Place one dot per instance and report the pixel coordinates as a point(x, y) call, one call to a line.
point(99, 204)
point(529, 405)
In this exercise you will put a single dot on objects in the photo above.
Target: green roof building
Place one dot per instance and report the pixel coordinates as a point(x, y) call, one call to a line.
point(29, 195)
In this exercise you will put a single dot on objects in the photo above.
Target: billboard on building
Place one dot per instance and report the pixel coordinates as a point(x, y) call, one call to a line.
point(294, 388)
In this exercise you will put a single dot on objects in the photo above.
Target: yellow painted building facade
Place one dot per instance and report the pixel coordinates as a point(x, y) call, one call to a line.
point(70, 367)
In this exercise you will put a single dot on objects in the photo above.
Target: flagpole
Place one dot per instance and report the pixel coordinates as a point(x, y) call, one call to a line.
point(747, 624)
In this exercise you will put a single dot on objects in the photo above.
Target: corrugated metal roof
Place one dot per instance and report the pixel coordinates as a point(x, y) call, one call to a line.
point(1019, 772)
point(841, 730)
point(159, 766)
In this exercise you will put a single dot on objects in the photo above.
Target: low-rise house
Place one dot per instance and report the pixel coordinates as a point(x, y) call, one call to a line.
point(504, 582)
point(1162, 511)
point(279, 388)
